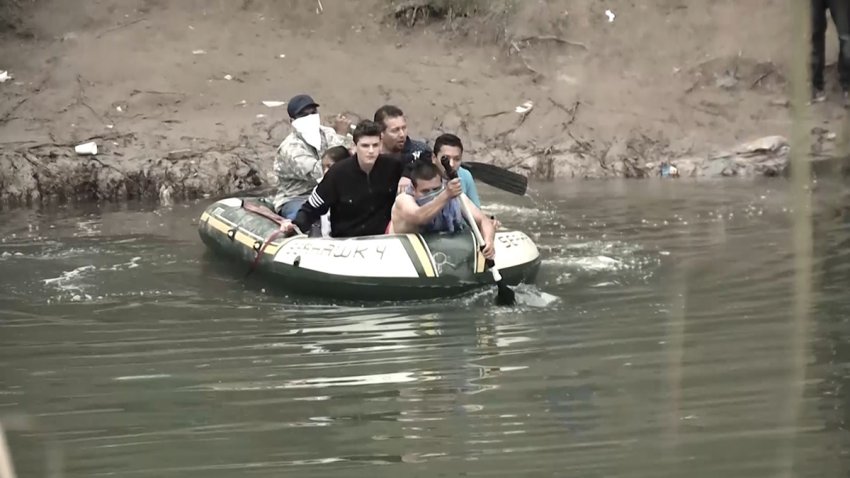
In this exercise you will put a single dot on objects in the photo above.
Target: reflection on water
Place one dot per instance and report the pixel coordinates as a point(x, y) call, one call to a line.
point(655, 343)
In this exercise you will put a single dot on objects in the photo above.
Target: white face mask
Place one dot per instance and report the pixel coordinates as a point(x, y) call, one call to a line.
point(308, 128)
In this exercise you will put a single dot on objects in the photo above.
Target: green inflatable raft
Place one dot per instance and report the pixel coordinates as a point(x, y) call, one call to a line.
point(373, 268)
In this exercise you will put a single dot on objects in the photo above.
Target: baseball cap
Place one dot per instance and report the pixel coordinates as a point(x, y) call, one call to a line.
point(298, 103)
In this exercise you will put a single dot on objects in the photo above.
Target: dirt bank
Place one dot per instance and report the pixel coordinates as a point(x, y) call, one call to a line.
point(145, 79)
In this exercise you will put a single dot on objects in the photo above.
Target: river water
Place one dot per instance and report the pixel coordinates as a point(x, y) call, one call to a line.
point(659, 340)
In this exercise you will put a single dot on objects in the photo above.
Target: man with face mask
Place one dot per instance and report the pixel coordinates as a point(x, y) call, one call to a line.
point(298, 164)
point(431, 204)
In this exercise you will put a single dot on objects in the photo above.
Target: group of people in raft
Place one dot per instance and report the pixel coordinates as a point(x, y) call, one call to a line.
point(374, 180)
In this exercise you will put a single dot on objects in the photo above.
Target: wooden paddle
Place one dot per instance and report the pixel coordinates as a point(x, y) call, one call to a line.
point(505, 295)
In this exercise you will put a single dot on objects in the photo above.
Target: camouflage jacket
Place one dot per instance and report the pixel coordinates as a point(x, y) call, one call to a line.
point(298, 165)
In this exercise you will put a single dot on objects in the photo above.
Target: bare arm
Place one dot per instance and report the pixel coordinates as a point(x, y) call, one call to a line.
point(485, 225)
point(407, 211)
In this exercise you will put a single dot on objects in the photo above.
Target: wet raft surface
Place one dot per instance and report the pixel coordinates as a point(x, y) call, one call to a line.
point(658, 341)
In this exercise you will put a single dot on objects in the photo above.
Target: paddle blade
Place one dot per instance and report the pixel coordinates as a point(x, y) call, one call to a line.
point(497, 177)
point(505, 296)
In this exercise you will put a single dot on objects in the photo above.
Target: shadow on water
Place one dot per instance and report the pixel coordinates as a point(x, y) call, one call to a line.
point(654, 342)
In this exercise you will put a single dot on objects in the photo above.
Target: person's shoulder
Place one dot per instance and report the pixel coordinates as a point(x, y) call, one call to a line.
point(292, 145)
point(342, 165)
point(386, 158)
point(328, 131)
point(416, 148)
point(289, 140)
point(464, 174)
point(419, 145)
point(404, 200)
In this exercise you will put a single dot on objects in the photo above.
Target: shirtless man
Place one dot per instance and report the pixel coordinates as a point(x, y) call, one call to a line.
point(430, 205)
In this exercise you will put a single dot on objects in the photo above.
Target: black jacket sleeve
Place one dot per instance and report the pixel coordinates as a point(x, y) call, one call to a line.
point(320, 201)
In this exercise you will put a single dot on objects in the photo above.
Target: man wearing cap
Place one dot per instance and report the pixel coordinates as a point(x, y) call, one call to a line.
point(298, 163)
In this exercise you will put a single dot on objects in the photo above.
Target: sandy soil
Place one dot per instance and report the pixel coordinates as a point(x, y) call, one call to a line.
point(146, 80)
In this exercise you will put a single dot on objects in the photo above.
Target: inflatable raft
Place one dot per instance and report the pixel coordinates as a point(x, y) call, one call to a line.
point(372, 268)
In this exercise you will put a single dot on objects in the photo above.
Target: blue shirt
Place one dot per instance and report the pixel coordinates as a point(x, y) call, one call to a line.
point(467, 184)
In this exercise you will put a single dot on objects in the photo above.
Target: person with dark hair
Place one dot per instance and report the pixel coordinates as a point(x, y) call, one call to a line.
point(450, 146)
point(298, 162)
point(394, 129)
point(333, 156)
point(432, 205)
point(840, 12)
point(359, 191)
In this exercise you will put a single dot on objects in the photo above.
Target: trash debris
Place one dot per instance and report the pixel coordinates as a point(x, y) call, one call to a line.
point(199, 52)
point(242, 103)
point(110, 126)
point(4, 76)
point(524, 108)
point(319, 8)
point(228, 77)
point(191, 27)
point(261, 115)
point(669, 171)
point(118, 108)
point(281, 56)
point(610, 15)
point(86, 148)
point(274, 104)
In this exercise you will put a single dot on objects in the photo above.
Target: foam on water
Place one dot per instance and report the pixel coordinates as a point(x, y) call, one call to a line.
point(525, 212)
point(67, 279)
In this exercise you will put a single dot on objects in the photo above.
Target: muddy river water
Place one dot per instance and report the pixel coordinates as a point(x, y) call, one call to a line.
point(659, 340)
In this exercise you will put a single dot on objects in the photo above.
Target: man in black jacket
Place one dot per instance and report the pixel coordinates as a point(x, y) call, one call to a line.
point(840, 12)
point(359, 191)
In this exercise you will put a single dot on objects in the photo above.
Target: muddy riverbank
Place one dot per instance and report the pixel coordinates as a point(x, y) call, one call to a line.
point(172, 93)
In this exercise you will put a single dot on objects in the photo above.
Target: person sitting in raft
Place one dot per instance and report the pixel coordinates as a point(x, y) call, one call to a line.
point(331, 157)
point(450, 146)
point(359, 191)
point(432, 205)
point(394, 134)
point(298, 160)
